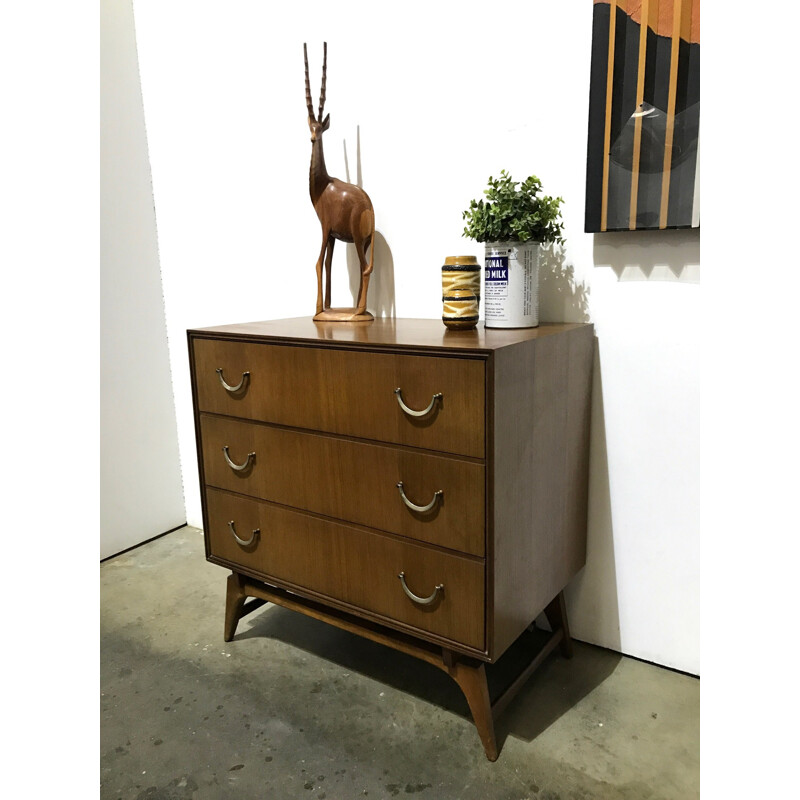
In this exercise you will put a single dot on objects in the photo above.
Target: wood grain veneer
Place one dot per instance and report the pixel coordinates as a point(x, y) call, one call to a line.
point(352, 565)
point(350, 480)
point(540, 462)
point(337, 391)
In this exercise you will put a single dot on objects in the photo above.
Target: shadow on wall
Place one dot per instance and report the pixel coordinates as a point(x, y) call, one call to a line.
point(381, 292)
point(669, 255)
point(380, 295)
point(592, 598)
point(561, 297)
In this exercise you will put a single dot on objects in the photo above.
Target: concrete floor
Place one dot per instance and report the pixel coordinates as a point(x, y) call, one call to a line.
point(293, 708)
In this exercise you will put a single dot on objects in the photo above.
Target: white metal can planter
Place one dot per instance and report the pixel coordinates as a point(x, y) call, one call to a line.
point(511, 286)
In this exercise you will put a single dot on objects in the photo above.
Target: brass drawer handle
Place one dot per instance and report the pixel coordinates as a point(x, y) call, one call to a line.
point(437, 496)
point(237, 467)
point(410, 411)
point(244, 542)
point(227, 386)
point(423, 601)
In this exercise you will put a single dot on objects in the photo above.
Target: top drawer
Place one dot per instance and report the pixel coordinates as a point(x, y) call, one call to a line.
point(347, 392)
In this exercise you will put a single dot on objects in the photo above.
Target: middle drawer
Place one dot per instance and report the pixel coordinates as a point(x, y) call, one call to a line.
point(349, 480)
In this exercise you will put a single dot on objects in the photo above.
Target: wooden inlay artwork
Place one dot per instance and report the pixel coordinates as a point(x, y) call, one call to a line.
point(345, 213)
point(642, 167)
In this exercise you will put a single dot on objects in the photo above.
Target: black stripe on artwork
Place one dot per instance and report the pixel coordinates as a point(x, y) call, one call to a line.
point(654, 130)
point(597, 118)
point(626, 74)
point(684, 141)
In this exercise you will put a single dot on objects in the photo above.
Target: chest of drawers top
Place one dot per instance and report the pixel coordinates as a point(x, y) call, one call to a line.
point(402, 334)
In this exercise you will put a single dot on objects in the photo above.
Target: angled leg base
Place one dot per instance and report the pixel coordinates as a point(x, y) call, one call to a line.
point(468, 673)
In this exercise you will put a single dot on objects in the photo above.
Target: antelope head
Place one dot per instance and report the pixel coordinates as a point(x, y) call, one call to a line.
point(317, 124)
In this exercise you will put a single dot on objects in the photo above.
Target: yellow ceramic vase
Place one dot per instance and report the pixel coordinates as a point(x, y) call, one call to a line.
point(461, 292)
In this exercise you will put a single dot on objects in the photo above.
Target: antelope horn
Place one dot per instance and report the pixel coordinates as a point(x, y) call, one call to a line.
point(309, 104)
point(324, 76)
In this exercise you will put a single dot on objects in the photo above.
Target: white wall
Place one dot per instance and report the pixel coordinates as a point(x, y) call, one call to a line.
point(141, 494)
point(440, 96)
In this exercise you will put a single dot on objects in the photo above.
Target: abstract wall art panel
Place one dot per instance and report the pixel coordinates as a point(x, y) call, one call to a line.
point(644, 116)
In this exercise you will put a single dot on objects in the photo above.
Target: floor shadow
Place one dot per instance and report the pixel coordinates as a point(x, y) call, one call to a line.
point(551, 691)
point(557, 686)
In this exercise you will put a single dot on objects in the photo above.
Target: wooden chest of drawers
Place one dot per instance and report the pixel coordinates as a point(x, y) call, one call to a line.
point(422, 487)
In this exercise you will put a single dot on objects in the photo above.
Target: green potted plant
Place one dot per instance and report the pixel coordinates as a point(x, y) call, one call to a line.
point(513, 222)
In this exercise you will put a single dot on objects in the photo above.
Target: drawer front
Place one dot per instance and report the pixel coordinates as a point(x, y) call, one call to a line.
point(352, 481)
point(347, 392)
point(354, 566)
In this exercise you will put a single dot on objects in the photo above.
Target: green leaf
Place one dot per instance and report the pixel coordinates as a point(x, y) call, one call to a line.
point(514, 214)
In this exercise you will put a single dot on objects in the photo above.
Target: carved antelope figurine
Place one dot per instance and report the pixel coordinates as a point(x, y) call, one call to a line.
point(344, 210)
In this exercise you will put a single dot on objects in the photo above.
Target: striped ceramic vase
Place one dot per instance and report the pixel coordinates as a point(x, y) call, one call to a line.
point(461, 292)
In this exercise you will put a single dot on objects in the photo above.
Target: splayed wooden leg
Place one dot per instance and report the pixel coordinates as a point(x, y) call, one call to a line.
point(234, 603)
point(556, 613)
point(472, 681)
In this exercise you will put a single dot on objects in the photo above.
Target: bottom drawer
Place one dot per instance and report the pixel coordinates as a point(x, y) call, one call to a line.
point(352, 565)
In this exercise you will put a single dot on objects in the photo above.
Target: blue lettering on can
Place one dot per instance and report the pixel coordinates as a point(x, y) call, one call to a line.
point(497, 268)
